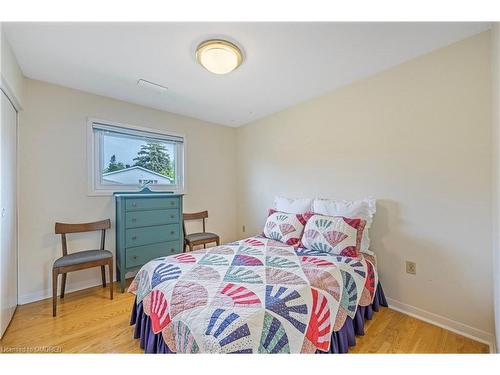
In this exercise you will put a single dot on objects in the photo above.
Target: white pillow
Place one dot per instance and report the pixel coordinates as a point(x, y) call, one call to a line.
point(363, 209)
point(292, 205)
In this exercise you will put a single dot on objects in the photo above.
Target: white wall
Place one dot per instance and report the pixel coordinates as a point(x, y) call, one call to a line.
point(53, 176)
point(495, 64)
point(11, 75)
point(417, 137)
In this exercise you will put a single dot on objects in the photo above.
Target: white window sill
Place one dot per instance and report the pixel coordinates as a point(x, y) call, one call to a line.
point(109, 193)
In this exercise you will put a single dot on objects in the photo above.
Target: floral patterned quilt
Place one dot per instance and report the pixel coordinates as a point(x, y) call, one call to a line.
point(253, 296)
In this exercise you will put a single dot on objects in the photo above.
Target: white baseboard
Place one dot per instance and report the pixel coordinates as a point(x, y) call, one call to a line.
point(70, 287)
point(446, 323)
point(47, 293)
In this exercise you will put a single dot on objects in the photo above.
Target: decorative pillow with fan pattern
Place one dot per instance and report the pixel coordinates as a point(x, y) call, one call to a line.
point(333, 234)
point(364, 209)
point(284, 227)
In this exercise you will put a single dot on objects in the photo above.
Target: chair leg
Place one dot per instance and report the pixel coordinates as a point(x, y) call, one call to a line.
point(217, 241)
point(54, 291)
point(204, 245)
point(103, 276)
point(110, 267)
point(63, 284)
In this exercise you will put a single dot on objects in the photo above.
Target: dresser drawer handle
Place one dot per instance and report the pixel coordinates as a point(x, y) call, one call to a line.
point(172, 232)
point(134, 238)
point(134, 257)
point(134, 220)
point(134, 204)
point(172, 203)
point(172, 250)
point(172, 216)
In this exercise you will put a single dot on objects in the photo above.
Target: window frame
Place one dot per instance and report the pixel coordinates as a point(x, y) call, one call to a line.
point(95, 154)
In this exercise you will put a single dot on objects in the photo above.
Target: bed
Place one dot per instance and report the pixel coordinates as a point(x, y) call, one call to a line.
point(256, 295)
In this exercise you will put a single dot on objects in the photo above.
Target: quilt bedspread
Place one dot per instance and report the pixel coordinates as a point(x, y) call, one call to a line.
point(253, 296)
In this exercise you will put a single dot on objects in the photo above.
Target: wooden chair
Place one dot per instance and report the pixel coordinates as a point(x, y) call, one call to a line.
point(200, 238)
point(82, 259)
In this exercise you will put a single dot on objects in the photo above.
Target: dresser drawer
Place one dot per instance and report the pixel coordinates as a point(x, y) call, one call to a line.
point(134, 219)
point(133, 204)
point(144, 236)
point(137, 256)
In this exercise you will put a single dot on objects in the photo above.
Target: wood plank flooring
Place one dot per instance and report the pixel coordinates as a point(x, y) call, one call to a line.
point(89, 322)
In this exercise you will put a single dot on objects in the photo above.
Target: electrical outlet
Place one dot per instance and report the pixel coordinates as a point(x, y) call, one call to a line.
point(411, 267)
point(243, 229)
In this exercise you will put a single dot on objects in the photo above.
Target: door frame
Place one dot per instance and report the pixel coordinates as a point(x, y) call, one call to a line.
point(4, 86)
point(5, 90)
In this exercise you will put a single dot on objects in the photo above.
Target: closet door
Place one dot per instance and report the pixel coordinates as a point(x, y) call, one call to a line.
point(8, 221)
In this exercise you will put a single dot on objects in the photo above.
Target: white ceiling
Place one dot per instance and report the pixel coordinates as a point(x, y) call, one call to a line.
point(285, 63)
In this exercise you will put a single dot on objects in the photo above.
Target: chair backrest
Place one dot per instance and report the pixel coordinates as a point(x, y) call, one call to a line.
point(194, 216)
point(64, 228)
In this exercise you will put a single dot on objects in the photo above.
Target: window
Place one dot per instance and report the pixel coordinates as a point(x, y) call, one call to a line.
point(126, 158)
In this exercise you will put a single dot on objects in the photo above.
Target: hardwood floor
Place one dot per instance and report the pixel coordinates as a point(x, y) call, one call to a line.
point(393, 332)
point(89, 322)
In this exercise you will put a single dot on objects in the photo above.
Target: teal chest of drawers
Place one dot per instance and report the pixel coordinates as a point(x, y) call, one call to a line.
point(148, 226)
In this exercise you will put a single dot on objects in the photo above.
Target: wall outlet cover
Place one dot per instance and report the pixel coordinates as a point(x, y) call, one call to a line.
point(411, 267)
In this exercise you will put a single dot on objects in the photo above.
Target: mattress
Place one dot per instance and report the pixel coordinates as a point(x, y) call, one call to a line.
point(252, 296)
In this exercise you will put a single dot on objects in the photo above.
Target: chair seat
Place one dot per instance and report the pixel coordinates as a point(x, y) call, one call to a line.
point(82, 257)
point(202, 236)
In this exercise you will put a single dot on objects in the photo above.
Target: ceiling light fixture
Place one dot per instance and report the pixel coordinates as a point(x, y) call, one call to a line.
point(219, 56)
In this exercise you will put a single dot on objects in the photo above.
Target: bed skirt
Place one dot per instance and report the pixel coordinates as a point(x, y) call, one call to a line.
point(341, 340)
